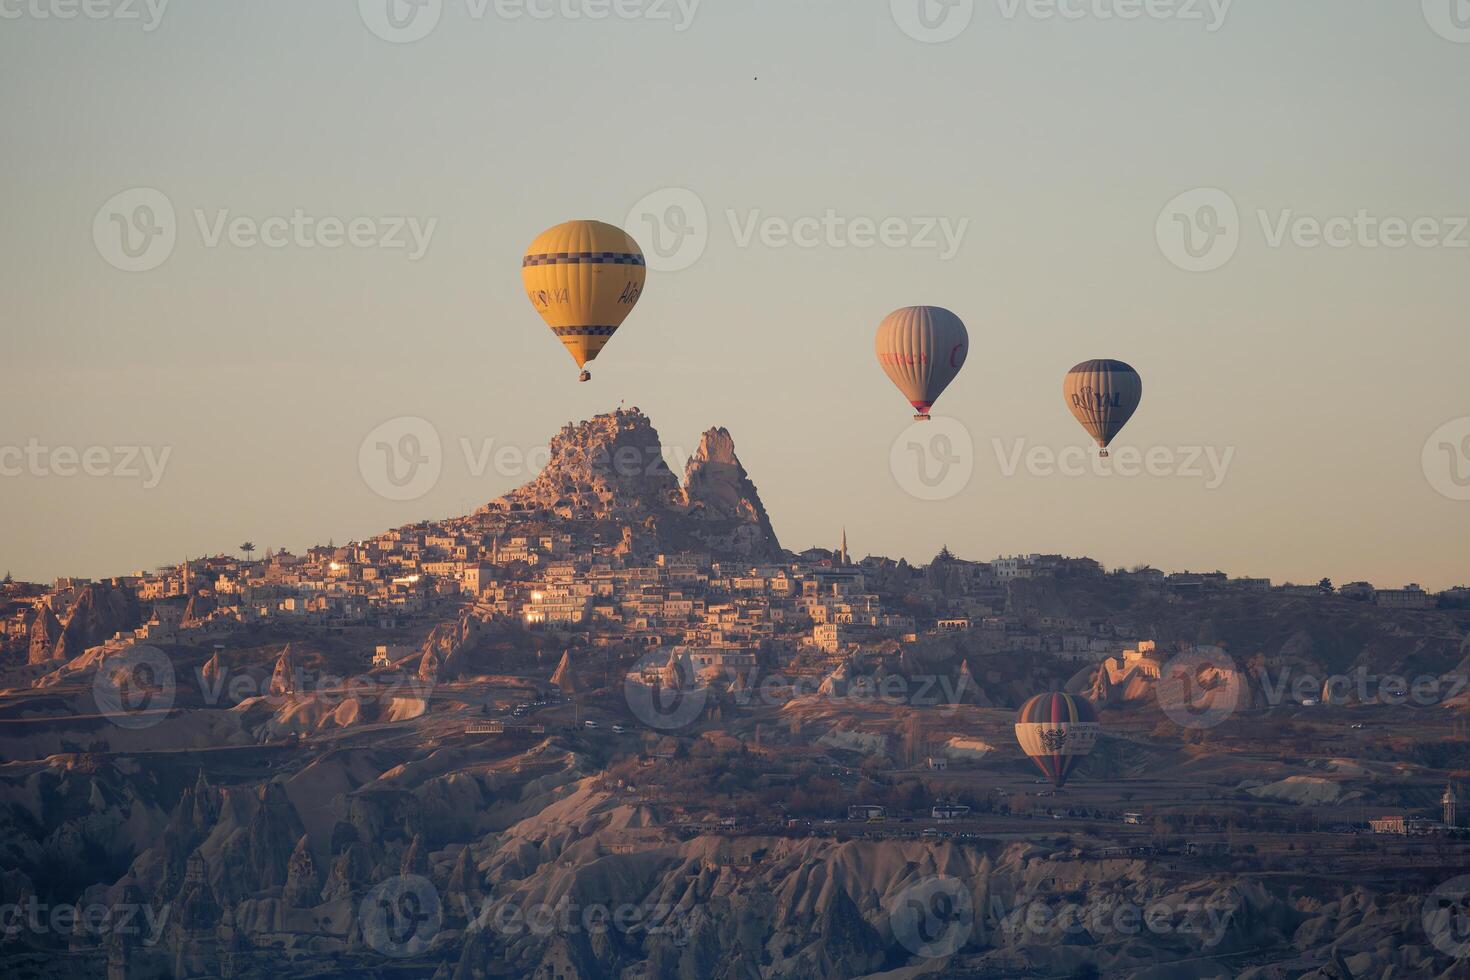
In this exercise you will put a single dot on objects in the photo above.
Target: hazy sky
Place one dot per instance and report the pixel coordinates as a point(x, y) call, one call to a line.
point(1048, 146)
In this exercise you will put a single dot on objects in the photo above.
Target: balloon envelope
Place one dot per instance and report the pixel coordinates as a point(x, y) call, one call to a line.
point(1056, 731)
point(1103, 395)
point(584, 278)
point(921, 349)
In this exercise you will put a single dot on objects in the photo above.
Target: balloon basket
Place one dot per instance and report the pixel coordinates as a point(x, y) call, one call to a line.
point(1103, 455)
point(921, 418)
point(585, 376)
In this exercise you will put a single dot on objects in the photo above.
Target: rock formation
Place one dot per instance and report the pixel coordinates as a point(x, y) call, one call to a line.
point(612, 469)
point(100, 611)
point(45, 631)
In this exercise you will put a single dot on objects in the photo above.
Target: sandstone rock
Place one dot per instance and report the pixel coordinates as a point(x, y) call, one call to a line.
point(303, 884)
point(100, 611)
point(611, 469)
point(45, 631)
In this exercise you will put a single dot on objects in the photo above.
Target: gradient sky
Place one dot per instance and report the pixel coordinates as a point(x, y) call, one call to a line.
point(1060, 141)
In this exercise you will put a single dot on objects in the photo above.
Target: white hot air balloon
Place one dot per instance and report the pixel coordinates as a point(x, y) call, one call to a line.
point(921, 349)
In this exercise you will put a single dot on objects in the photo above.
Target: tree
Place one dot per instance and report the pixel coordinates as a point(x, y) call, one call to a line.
point(1326, 586)
point(248, 547)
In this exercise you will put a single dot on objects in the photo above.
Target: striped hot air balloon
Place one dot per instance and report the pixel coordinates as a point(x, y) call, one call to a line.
point(1056, 730)
point(584, 278)
point(921, 349)
point(1103, 395)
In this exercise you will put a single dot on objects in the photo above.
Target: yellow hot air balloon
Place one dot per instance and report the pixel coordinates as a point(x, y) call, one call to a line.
point(1103, 395)
point(584, 278)
point(921, 349)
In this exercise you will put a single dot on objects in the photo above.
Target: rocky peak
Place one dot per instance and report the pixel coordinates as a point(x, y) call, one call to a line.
point(563, 677)
point(283, 678)
point(716, 483)
point(611, 465)
point(100, 611)
point(612, 468)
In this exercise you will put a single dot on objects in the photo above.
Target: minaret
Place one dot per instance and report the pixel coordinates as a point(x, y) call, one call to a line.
point(1449, 801)
point(842, 560)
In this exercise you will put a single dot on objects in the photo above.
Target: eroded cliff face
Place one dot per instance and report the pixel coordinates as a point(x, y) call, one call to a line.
point(612, 469)
point(100, 611)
